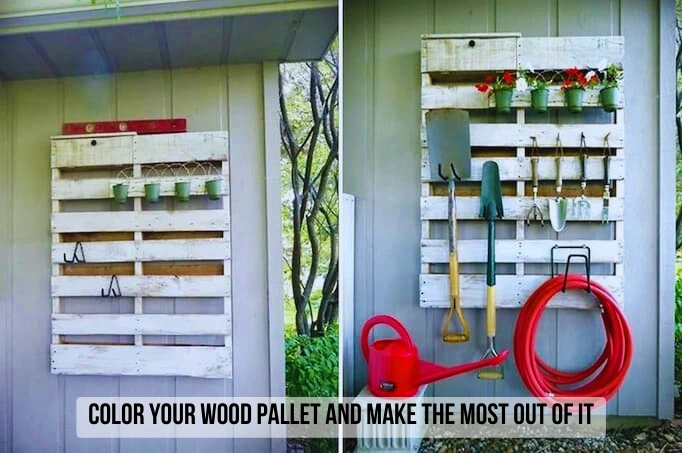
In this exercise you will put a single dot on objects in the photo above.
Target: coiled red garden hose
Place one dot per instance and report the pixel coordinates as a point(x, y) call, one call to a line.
point(601, 379)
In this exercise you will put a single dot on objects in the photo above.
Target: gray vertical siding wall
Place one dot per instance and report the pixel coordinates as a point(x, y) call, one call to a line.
point(381, 167)
point(37, 409)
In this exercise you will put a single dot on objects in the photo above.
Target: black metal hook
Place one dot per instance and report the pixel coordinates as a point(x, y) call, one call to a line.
point(585, 256)
point(75, 258)
point(454, 172)
point(112, 291)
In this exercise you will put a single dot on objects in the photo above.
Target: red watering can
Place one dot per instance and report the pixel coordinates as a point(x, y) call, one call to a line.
point(394, 367)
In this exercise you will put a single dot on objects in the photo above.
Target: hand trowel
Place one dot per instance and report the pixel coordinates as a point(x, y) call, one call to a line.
point(558, 208)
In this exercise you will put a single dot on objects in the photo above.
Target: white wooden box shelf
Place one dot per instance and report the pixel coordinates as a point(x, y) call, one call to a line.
point(161, 253)
point(451, 66)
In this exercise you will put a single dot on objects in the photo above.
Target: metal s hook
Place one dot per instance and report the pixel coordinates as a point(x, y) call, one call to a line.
point(607, 146)
point(75, 258)
point(112, 291)
point(559, 149)
point(533, 146)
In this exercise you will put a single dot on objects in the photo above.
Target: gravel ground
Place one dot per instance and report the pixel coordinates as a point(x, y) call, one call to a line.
point(666, 437)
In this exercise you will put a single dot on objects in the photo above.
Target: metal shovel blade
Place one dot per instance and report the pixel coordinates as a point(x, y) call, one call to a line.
point(558, 212)
point(447, 135)
point(491, 192)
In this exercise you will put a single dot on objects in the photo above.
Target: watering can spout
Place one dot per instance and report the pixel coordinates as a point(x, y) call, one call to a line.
point(429, 372)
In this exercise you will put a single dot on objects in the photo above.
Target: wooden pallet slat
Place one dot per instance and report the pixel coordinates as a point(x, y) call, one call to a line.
point(466, 96)
point(515, 208)
point(518, 169)
point(518, 135)
point(570, 51)
point(102, 188)
point(93, 152)
point(136, 324)
point(434, 251)
point(148, 250)
point(472, 54)
point(203, 220)
point(193, 361)
point(512, 291)
point(192, 146)
point(144, 286)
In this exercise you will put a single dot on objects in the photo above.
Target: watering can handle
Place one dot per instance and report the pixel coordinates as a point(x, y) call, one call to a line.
point(389, 321)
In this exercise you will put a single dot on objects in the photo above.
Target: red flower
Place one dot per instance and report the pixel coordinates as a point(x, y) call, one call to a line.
point(482, 87)
point(489, 79)
point(508, 78)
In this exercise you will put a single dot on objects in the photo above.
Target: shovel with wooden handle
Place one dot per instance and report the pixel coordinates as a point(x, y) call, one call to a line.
point(447, 132)
point(491, 210)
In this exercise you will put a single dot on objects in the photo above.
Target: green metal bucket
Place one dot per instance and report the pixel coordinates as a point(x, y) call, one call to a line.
point(214, 189)
point(503, 99)
point(609, 98)
point(539, 98)
point(121, 192)
point(152, 191)
point(574, 99)
point(182, 189)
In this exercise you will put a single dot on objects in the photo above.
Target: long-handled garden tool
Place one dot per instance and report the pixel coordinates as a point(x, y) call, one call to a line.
point(558, 208)
point(535, 212)
point(582, 206)
point(491, 210)
point(447, 133)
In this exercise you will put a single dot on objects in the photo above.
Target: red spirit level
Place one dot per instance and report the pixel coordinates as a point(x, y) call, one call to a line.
point(156, 126)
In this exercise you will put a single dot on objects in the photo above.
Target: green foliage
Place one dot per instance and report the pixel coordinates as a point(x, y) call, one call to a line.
point(612, 76)
point(309, 181)
point(312, 365)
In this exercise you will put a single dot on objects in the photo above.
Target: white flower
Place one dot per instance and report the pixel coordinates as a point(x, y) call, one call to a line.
point(530, 69)
point(521, 84)
point(590, 74)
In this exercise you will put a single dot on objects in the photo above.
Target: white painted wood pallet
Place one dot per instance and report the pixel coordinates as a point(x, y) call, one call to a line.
point(451, 65)
point(81, 166)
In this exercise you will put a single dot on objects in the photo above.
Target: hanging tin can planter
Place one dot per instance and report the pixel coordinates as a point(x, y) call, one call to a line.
point(503, 98)
point(574, 99)
point(152, 191)
point(214, 189)
point(608, 97)
point(121, 192)
point(182, 189)
point(539, 99)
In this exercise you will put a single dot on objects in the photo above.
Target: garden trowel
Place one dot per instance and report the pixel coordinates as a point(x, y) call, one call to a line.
point(447, 133)
point(558, 208)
